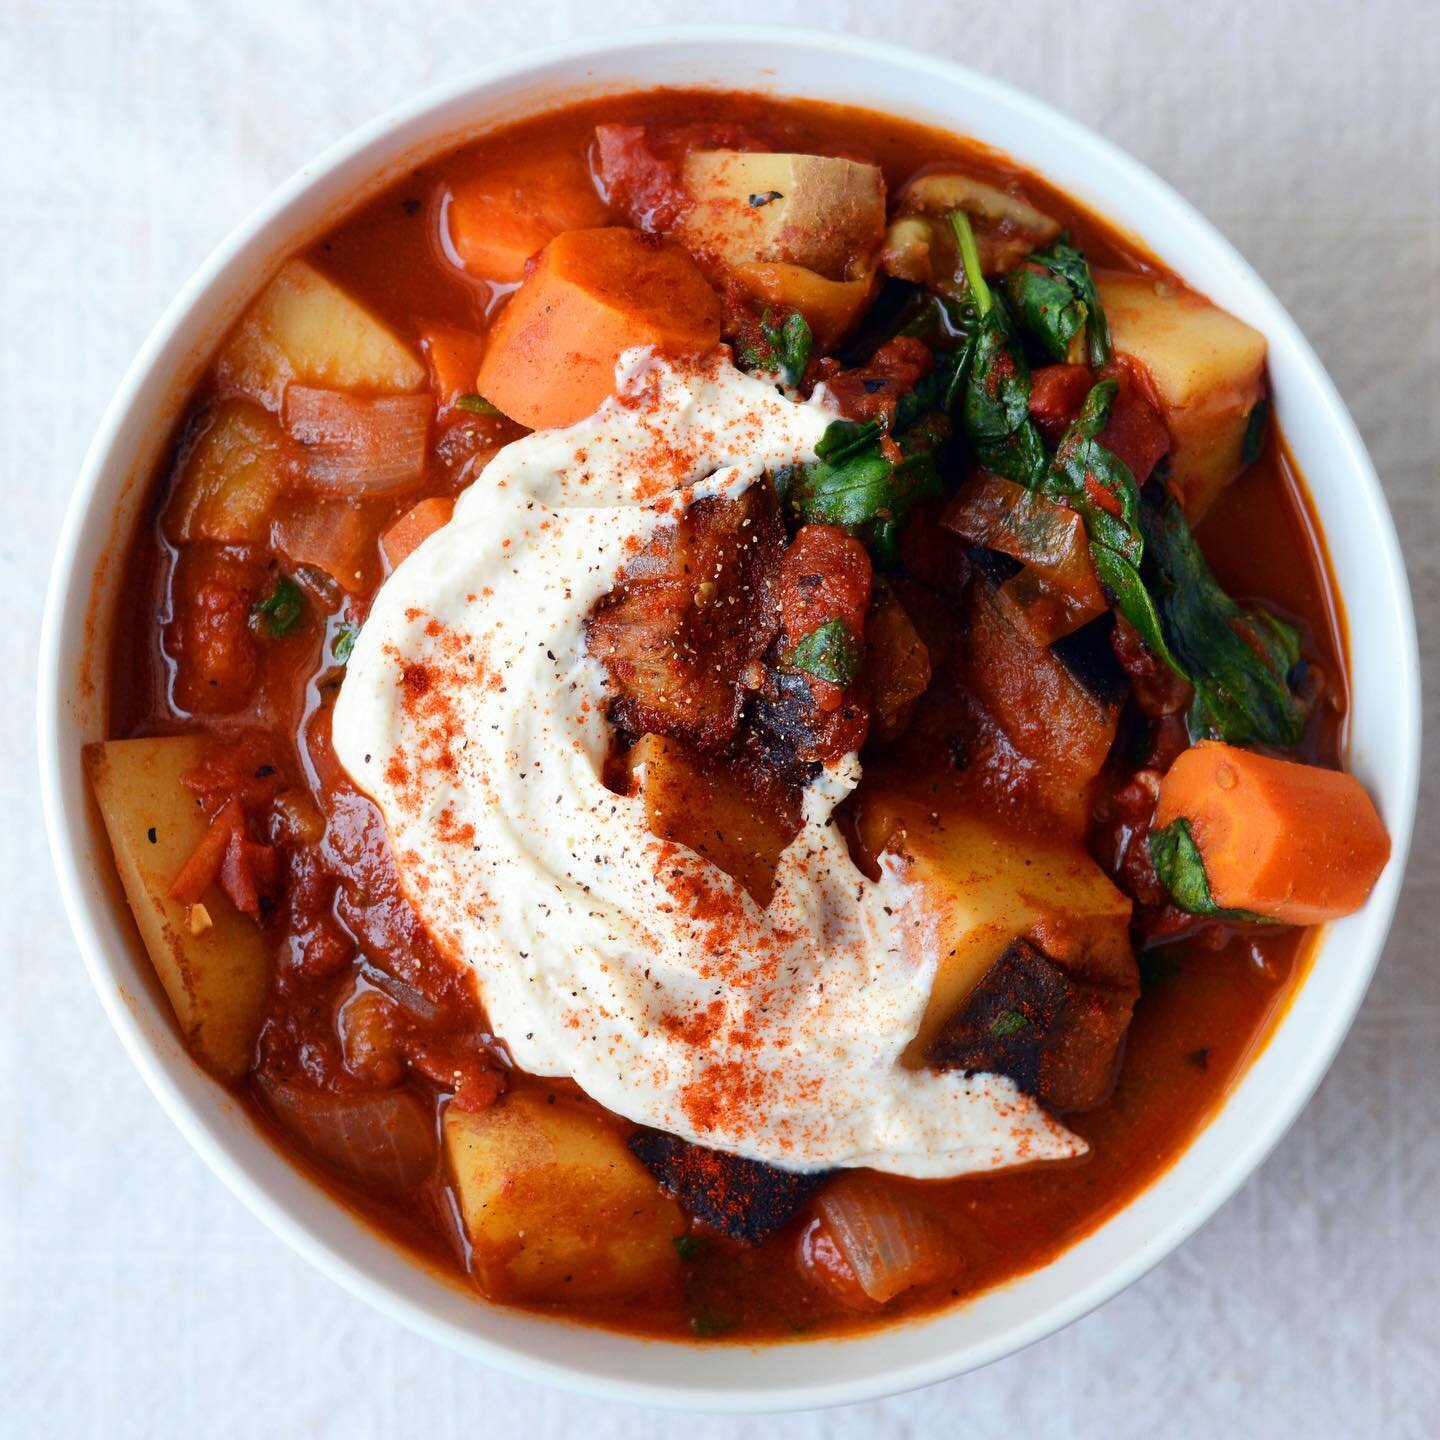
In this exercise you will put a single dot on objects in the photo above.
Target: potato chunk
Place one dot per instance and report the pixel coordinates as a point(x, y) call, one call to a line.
point(1208, 372)
point(305, 328)
point(232, 476)
point(981, 887)
point(215, 979)
point(825, 214)
point(554, 1204)
point(703, 806)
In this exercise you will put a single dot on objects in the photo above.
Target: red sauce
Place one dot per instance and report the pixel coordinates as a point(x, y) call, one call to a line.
point(361, 996)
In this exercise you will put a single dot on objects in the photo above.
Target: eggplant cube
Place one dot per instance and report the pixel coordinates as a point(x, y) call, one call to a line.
point(747, 1200)
point(1056, 1037)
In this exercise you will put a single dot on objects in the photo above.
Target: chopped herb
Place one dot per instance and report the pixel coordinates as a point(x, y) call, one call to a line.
point(344, 643)
point(1008, 1022)
point(1255, 428)
point(712, 1324)
point(688, 1247)
point(765, 197)
point(782, 349)
point(830, 653)
point(280, 611)
point(476, 405)
point(1181, 869)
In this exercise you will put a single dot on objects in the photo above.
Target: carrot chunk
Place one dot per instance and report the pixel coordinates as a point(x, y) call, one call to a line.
point(1291, 842)
point(418, 523)
point(593, 294)
point(454, 357)
point(500, 219)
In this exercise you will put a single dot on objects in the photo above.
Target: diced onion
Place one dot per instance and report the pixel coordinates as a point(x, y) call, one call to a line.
point(1031, 528)
point(888, 1239)
point(385, 1139)
point(355, 446)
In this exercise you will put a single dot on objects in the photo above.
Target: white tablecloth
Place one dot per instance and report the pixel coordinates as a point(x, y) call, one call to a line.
point(137, 1298)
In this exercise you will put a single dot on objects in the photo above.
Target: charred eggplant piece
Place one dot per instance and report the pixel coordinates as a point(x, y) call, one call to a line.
point(1058, 1038)
point(686, 618)
point(747, 1200)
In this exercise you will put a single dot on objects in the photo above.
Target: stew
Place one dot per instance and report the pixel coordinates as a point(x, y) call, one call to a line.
point(728, 717)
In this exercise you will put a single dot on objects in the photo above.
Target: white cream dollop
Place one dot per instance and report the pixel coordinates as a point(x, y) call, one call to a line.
point(473, 715)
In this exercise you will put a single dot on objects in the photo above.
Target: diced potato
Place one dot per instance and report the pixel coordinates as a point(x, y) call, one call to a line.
point(701, 806)
point(980, 887)
point(830, 307)
point(232, 475)
point(554, 1204)
point(809, 210)
point(305, 328)
point(215, 974)
point(1208, 373)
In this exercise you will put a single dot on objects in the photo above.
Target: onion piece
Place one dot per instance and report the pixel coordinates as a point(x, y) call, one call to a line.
point(888, 1239)
point(385, 1139)
point(354, 446)
point(1063, 592)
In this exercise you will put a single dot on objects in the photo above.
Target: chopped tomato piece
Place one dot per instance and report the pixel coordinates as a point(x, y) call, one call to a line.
point(210, 637)
point(1056, 394)
point(417, 524)
point(1135, 433)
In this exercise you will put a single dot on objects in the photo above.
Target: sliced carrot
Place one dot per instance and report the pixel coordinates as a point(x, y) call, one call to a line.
point(593, 294)
point(1292, 842)
point(416, 524)
point(500, 219)
point(202, 869)
point(454, 357)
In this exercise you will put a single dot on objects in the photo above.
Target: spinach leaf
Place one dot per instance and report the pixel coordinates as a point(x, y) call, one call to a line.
point(829, 653)
point(1066, 263)
point(995, 396)
point(1255, 427)
point(280, 611)
point(854, 484)
point(869, 482)
point(1181, 869)
point(1096, 482)
point(1239, 661)
point(782, 349)
point(1048, 308)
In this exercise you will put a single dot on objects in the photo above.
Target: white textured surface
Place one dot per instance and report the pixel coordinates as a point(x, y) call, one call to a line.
point(137, 1298)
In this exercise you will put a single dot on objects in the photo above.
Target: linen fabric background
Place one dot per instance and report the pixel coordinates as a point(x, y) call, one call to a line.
point(137, 1297)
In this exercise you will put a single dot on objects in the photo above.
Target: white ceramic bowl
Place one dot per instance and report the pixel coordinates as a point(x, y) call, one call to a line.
point(1384, 745)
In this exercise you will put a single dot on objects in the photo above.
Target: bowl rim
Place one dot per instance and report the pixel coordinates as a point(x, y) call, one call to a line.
point(67, 589)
